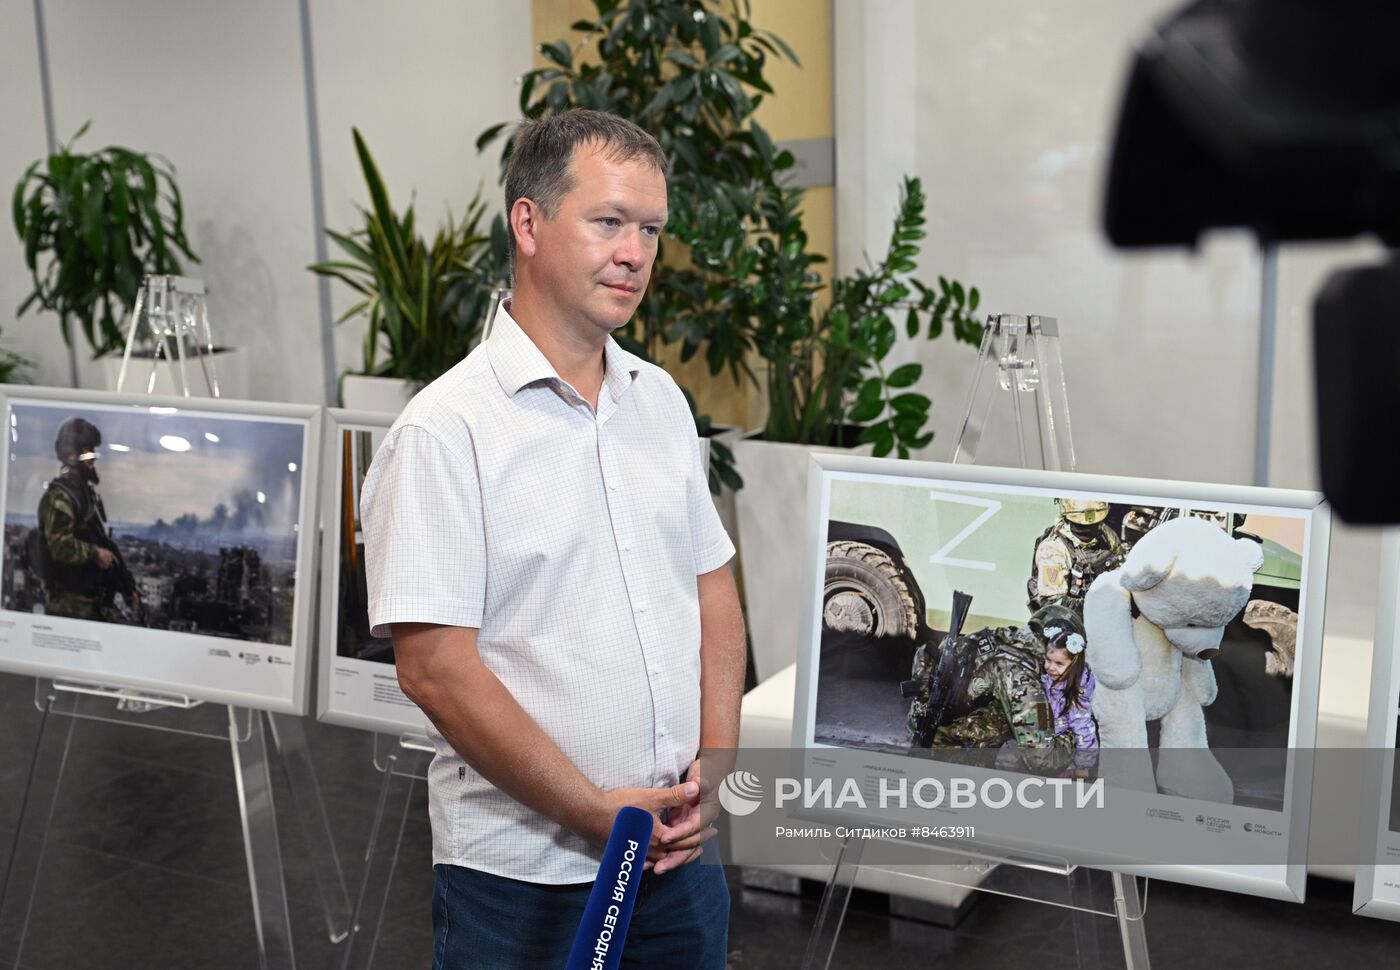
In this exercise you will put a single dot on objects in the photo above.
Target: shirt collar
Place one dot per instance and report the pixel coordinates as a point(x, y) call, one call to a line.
point(518, 362)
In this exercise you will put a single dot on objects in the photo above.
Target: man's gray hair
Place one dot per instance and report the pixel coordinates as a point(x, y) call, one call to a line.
point(538, 168)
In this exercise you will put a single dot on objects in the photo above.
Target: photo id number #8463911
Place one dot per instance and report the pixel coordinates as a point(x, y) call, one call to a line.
point(884, 832)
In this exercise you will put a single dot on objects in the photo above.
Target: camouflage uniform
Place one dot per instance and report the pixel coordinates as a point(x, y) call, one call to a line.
point(1066, 560)
point(999, 697)
point(74, 586)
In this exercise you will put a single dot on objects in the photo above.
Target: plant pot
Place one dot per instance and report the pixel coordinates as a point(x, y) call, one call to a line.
point(724, 501)
point(388, 395)
point(771, 512)
point(230, 369)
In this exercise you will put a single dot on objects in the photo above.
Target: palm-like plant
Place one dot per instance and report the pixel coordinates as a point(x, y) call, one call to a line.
point(425, 301)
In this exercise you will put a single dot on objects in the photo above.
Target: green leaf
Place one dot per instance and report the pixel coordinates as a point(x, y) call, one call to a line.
point(866, 410)
point(885, 337)
point(881, 436)
point(905, 375)
point(782, 45)
point(870, 391)
point(93, 196)
point(489, 135)
point(558, 52)
point(78, 134)
point(911, 323)
point(683, 58)
point(909, 402)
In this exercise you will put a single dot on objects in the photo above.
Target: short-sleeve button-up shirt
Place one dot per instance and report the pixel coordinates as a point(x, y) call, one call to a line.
point(571, 539)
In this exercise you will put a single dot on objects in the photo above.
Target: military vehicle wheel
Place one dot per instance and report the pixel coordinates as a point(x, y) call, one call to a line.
point(866, 594)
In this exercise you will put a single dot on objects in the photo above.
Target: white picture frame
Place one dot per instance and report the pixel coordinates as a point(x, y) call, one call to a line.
point(1274, 841)
point(1377, 888)
point(231, 639)
point(353, 690)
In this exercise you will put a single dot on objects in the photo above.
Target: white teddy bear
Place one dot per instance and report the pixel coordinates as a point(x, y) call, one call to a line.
point(1153, 626)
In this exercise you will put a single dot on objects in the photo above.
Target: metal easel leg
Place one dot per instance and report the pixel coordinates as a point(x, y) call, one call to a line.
point(1128, 904)
point(979, 400)
point(261, 846)
point(1085, 917)
point(381, 859)
point(26, 862)
point(289, 736)
point(821, 945)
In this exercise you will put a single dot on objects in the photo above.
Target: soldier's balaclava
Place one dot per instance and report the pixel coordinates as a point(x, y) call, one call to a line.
point(1083, 516)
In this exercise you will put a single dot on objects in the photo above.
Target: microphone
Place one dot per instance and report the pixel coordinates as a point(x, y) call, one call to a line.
point(603, 928)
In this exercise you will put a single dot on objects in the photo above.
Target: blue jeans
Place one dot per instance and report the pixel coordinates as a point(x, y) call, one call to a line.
point(487, 922)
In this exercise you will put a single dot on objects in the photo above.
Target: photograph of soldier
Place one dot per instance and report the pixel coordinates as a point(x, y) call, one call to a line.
point(919, 544)
point(987, 690)
point(353, 638)
point(81, 567)
point(175, 521)
point(1077, 547)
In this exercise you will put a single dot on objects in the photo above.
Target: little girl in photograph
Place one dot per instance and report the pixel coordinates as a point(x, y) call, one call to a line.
point(1069, 686)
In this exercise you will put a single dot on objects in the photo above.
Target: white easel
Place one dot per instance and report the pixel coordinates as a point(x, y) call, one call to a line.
point(176, 312)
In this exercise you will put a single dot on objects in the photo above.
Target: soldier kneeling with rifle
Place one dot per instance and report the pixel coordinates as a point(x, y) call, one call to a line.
point(80, 565)
point(982, 689)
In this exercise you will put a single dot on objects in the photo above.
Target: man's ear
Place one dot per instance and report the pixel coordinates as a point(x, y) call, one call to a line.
point(525, 217)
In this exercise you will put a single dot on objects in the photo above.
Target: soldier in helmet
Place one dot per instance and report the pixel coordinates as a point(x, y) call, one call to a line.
point(1071, 554)
point(83, 563)
point(993, 694)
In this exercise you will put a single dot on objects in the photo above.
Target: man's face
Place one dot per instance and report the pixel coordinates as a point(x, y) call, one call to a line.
point(595, 255)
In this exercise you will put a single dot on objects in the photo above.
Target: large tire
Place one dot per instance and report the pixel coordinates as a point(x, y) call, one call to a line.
point(866, 594)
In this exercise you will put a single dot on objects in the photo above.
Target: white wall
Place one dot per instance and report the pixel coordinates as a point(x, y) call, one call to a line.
point(420, 89)
point(1005, 110)
point(21, 109)
point(219, 90)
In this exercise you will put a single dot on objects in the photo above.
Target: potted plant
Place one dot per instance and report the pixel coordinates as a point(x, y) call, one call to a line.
point(425, 301)
point(93, 227)
point(692, 77)
point(828, 388)
point(736, 280)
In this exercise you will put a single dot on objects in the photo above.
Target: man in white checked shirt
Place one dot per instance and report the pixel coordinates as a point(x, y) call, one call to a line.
point(542, 547)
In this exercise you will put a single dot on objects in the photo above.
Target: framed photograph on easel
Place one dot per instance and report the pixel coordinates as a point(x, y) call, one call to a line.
point(358, 686)
point(159, 543)
point(1377, 891)
point(946, 605)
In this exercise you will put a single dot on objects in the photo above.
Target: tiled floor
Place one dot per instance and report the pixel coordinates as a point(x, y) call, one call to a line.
point(146, 869)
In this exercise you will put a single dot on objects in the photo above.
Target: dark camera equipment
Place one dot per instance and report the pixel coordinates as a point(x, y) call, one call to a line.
point(1283, 117)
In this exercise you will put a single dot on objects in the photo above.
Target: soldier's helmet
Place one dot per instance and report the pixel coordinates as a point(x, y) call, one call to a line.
point(1055, 625)
point(1078, 512)
point(76, 436)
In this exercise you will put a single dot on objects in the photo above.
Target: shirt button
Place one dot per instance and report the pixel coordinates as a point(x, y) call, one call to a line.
point(627, 547)
point(641, 607)
point(661, 732)
point(612, 486)
point(655, 670)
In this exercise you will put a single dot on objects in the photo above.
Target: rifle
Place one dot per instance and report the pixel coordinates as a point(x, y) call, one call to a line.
point(119, 579)
point(930, 689)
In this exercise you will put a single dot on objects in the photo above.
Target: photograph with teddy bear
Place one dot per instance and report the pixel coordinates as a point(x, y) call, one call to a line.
point(1060, 634)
